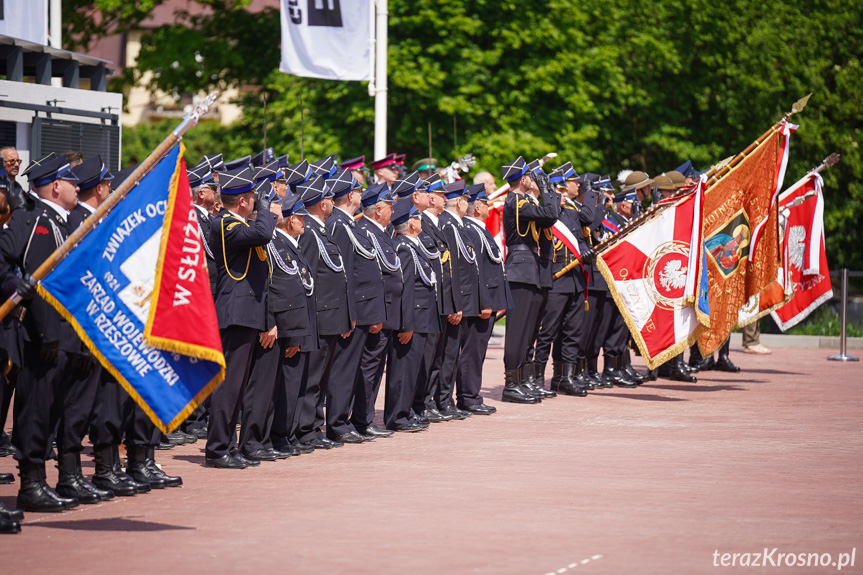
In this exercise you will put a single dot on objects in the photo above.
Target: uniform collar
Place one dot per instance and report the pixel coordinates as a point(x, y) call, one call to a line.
point(57, 208)
point(456, 216)
point(474, 220)
point(380, 227)
point(432, 217)
point(294, 241)
point(241, 218)
point(345, 212)
point(414, 241)
point(316, 220)
point(87, 207)
point(201, 210)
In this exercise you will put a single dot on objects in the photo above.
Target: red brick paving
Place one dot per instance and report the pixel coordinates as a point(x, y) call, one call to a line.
point(652, 480)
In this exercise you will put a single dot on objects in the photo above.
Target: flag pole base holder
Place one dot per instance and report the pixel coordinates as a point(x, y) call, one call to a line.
point(843, 357)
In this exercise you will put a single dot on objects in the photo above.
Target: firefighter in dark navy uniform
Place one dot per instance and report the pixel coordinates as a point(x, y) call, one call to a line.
point(563, 319)
point(239, 246)
point(30, 238)
point(494, 295)
point(525, 220)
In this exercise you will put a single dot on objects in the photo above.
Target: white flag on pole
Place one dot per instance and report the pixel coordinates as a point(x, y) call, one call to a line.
point(329, 39)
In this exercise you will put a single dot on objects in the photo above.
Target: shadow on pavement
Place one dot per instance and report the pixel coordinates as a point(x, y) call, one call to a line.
point(642, 396)
point(698, 387)
point(109, 524)
point(198, 459)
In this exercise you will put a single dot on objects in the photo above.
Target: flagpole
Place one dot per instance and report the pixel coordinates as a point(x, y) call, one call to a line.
point(714, 174)
point(189, 121)
point(828, 162)
point(382, 15)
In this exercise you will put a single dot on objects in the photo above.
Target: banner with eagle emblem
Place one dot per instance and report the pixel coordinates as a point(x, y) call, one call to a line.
point(656, 275)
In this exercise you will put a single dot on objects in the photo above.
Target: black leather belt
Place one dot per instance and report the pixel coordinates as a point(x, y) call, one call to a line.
point(522, 248)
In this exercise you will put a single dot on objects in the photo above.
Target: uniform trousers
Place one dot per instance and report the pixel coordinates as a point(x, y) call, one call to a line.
point(475, 336)
point(238, 344)
point(141, 432)
point(404, 362)
point(343, 381)
point(562, 324)
point(598, 319)
point(445, 366)
point(33, 419)
point(112, 413)
point(259, 398)
point(618, 334)
point(330, 379)
point(522, 321)
point(367, 381)
point(425, 391)
point(76, 399)
point(290, 389)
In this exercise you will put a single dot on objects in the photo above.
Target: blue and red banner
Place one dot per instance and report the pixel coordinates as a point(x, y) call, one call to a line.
point(137, 292)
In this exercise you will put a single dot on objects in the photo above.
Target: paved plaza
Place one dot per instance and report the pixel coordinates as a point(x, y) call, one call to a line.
point(653, 480)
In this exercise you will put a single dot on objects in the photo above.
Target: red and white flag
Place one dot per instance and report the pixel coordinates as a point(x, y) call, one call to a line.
point(803, 245)
point(658, 282)
point(494, 224)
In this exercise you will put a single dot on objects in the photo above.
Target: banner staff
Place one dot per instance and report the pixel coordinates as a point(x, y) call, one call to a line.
point(189, 121)
point(713, 175)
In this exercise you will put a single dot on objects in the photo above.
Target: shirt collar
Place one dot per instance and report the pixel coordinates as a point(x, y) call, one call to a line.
point(201, 210)
point(315, 218)
point(294, 241)
point(456, 216)
point(88, 207)
point(433, 218)
point(474, 220)
point(239, 217)
point(57, 208)
point(414, 241)
point(344, 211)
point(383, 229)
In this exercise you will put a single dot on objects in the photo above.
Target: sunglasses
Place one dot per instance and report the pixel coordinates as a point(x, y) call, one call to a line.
point(12, 161)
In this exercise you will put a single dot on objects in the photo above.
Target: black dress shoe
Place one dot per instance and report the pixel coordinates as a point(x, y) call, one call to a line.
point(7, 526)
point(479, 409)
point(6, 478)
point(433, 415)
point(164, 446)
point(319, 443)
point(11, 514)
point(175, 438)
point(7, 449)
point(301, 449)
point(724, 364)
point(454, 412)
point(407, 427)
point(246, 460)
point(280, 453)
point(349, 437)
point(260, 455)
point(332, 442)
point(225, 462)
point(421, 423)
point(375, 431)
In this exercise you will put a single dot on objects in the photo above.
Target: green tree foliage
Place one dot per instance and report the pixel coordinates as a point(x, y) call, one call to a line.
point(610, 85)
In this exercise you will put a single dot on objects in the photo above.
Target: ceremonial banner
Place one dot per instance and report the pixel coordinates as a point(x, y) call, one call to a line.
point(652, 273)
point(329, 39)
point(736, 208)
point(137, 292)
point(494, 224)
point(808, 275)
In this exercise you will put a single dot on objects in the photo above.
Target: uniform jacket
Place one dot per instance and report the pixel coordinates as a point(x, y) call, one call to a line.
point(243, 268)
point(433, 239)
point(28, 240)
point(525, 221)
point(335, 310)
point(291, 303)
point(419, 311)
point(493, 287)
point(390, 269)
point(462, 254)
point(574, 280)
point(365, 282)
